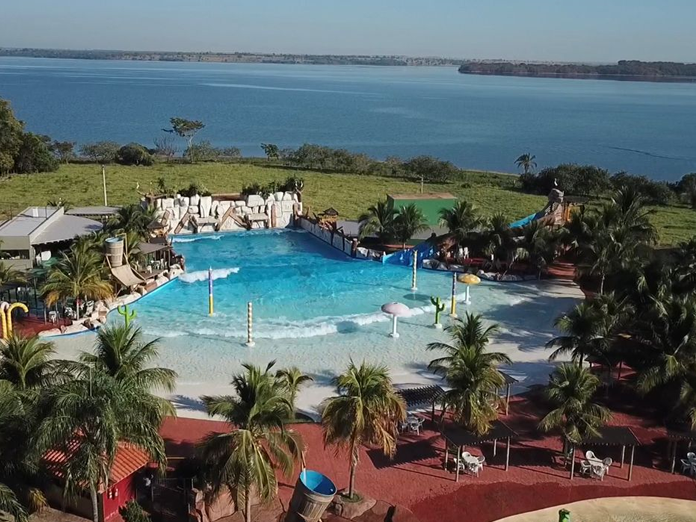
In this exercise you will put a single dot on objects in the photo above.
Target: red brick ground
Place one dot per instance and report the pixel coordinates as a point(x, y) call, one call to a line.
point(536, 478)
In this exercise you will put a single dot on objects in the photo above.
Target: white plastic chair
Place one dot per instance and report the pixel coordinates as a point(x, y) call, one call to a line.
point(687, 465)
point(589, 455)
point(691, 456)
point(476, 464)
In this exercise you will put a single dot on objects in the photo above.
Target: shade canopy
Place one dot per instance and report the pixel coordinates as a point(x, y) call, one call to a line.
point(613, 436)
point(458, 436)
point(469, 279)
point(509, 379)
point(396, 309)
point(421, 397)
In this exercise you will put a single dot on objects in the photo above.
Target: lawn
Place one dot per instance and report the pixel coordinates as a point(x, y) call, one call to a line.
point(349, 194)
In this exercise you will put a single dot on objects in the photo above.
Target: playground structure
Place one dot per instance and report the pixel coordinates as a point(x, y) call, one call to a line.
point(6, 310)
point(555, 213)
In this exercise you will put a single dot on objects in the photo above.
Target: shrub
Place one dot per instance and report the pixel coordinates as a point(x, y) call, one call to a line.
point(202, 151)
point(431, 169)
point(654, 192)
point(572, 179)
point(101, 151)
point(134, 154)
point(193, 189)
point(132, 512)
point(230, 153)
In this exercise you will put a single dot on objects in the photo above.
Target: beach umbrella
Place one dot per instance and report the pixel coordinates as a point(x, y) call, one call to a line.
point(468, 280)
point(395, 310)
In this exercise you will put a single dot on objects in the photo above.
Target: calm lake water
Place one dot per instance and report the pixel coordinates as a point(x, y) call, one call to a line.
point(474, 121)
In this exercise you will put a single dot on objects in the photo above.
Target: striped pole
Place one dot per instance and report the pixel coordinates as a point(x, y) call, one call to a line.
point(453, 309)
point(210, 291)
point(414, 277)
point(250, 320)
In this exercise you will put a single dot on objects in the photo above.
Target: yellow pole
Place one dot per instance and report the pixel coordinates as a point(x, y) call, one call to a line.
point(453, 309)
point(210, 292)
point(3, 321)
point(21, 306)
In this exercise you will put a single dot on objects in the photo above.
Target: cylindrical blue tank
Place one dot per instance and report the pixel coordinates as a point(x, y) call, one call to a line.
point(313, 494)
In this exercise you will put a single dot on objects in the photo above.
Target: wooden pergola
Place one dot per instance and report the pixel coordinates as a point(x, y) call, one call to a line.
point(675, 436)
point(421, 398)
point(460, 438)
point(509, 381)
point(622, 436)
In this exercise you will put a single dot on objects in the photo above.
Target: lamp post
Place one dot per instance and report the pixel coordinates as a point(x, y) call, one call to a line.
point(106, 203)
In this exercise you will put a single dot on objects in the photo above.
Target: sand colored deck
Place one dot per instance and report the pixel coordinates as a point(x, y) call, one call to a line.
point(618, 509)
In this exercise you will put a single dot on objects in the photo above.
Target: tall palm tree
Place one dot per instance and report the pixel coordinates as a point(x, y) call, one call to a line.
point(460, 220)
point(86, 420)
point(378, 220)
point(292, 379)
point(538, 245)
point(245, 459)
point(471, 373)
point(366, 410)
point(687, 397)
point(498, 239)
point(581, 328)
point(26, 363)
point(571, 391)
point(77, 275)
point(10, 505)
point(132, 218)
point(408, 222)
point(526, 162)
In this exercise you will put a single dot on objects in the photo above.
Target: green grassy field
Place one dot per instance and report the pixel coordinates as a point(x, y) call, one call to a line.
point(349, 194)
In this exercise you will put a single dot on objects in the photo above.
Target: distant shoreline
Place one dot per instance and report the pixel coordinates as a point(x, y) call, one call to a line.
point(213, 57)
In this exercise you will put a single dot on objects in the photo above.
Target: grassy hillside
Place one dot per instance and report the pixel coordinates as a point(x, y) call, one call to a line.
point(349, 194)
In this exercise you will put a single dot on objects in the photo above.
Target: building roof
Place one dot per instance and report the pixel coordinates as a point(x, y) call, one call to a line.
point(150, 248)
point(509, 379)
point(438, 195)
point(458, 436)
point(92, 211)
point(128, 459)
point(421, 397)
point(66, 228)
point(27, 221)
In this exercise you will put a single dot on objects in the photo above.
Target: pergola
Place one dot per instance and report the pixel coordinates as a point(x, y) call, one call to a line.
point(422, 397)
point(675, 436)
point(459, 437)
point(612, 436)
point(509, 381)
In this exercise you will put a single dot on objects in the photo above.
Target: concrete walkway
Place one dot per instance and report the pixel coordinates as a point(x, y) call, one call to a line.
point(618, 509)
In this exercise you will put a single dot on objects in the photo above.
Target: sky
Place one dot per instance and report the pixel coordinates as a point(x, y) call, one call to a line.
point(557, 30)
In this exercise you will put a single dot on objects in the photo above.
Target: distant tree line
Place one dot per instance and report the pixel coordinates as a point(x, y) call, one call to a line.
point(625, 69)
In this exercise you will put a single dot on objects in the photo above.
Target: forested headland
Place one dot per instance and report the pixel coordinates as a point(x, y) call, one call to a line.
point(628, 70)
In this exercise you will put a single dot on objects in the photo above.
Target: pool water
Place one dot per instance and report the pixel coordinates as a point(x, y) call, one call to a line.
point(299, 287)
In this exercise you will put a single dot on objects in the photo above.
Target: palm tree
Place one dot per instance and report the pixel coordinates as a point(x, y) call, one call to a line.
point(26, 363)
point(570, 391)
point(366, 410)
point(408, 222)
point(132, 218)
point(378, 220)
point(687, 397)
point(10, 505)
point(498, 239)
point(292, 379)
point(460, 220)
point(77, 275)
point(526, 163)
point(471, 373)
point(9, 275)
point(121, 353)
point(538, 245)
point(87, 418)
point(582, 328)
point(246, 458)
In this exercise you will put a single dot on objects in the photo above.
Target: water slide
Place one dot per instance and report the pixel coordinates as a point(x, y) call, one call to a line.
point(527, 220)
point(425, 250)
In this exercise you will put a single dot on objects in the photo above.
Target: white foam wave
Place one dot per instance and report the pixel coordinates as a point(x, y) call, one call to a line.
point(202, 275)
point(192, 239)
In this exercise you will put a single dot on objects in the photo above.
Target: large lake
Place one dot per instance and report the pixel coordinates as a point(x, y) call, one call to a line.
point(475, 121)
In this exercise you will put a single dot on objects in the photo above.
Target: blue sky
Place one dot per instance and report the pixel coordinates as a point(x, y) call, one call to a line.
point(588, 30)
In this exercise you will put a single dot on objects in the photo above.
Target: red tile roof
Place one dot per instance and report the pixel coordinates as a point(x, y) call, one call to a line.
point(129, 459)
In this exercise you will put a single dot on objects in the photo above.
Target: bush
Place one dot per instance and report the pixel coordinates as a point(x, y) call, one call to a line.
point(202, 151)
point(572, 179)
point(35, 155)
point(101, 151)
point(654, 192)
point(134, 154)
point(132, 512)
point(230, 153)
point(194, 189)
point(431, 169)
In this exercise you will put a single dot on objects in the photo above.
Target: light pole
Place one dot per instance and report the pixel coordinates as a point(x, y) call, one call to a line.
point(106, 203)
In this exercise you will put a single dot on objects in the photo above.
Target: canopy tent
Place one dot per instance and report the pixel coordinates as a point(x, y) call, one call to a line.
point(151, 248)
point(509, 381)
point(421, 398)
point(460, 437)
point(622, 436)
point(125, 275)
point(675, 436)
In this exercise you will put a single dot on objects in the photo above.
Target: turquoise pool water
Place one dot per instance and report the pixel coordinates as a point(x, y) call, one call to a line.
point(299, 286)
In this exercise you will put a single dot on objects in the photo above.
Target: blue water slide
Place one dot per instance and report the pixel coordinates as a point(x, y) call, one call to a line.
point(425, 250)
point(526, 221)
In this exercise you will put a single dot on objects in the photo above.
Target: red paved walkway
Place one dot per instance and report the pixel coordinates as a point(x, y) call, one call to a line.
point(415, 478)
